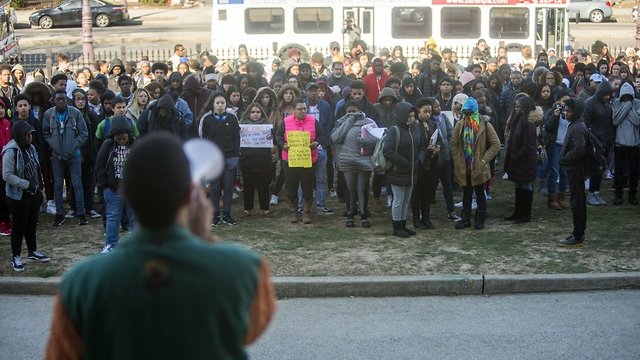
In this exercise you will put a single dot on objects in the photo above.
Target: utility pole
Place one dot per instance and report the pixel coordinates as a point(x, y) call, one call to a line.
point(87, 34)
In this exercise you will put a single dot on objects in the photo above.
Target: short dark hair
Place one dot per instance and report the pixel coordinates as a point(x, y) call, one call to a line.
point(423, 101)
point(107, 95)
point(124, 78)
point(118, 100)
point(58, 92)
point(156, 165)
point(357, 84)
point(297, 101)
point(21, 97)
point(58, 77)
point(353, 103)
point(97, 85)
point(159, 66)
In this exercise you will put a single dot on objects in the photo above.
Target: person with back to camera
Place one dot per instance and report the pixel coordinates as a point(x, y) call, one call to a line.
point(173, 295)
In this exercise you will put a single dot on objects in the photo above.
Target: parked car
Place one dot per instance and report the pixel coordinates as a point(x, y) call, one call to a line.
point(70, 13)
point(595, 11)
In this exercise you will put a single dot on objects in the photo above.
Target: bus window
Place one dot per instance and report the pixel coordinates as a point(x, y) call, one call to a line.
point(264, 21)
point(508, 23)
point(411, 23)
point(313, 20)
point(460, 23)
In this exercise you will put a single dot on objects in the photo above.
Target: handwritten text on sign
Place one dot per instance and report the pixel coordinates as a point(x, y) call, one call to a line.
point(299, 153)
point(256, 136)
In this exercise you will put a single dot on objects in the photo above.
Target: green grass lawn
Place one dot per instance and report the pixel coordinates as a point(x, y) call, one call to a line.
point(328, 248)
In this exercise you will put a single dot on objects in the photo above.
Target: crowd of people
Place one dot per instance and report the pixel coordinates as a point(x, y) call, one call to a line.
point(447, 124)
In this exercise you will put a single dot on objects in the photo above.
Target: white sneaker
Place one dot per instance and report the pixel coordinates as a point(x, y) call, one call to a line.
point(609, 175)
point(474, 204)
point(274, 200)
point(51, 207)
point(332, 193)
point(505, 176)
point(70, 214)
point(601, 201)
point(107, 249)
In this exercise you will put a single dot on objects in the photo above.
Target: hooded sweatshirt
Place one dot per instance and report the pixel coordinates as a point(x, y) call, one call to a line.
point(387, 116)
point(149, 120)
point(572, 153)
point(410, 98)
point(597, 115)
point(112, 156)
point(198, 100)
point(273, 116)
point(626, 117)
point(20, 164)
point(410, 153)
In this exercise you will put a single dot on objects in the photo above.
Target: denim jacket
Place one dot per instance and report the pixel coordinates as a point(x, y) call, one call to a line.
point(65, 142)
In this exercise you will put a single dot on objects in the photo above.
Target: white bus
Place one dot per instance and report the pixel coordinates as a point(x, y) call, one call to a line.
point(273, 26)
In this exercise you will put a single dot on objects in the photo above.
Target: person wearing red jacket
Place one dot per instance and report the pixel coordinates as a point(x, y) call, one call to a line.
point(374, 83)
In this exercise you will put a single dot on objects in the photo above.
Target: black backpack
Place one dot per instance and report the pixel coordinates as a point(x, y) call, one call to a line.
point(595, 161)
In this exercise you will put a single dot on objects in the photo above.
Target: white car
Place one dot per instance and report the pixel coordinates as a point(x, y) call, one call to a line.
point(595, 11)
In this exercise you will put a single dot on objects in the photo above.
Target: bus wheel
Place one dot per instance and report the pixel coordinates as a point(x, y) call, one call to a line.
point(46, 22)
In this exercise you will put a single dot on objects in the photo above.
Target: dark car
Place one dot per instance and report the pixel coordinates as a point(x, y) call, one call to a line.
point(70, 13)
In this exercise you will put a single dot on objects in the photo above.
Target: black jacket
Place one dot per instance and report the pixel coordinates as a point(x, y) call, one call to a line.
point(409, 156)
point(572, 153)
point(224, 131)
point(255, 159)
point(150, 122)
point(105, 167)
point(598, 114)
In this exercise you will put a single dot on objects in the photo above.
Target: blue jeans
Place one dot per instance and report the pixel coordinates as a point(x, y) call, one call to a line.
point(114, 206)
point(555, 171)
point(321, 177)
point(224, 182)
point(74, 164)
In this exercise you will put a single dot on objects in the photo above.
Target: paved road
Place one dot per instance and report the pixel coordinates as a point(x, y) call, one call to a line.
point(162, 28)
point(593, 325)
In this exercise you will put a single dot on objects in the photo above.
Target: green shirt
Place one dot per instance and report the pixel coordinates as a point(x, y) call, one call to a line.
point(100, 133)
point(163, 294)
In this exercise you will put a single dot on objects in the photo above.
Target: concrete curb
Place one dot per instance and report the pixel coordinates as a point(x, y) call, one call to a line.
point(401, 286)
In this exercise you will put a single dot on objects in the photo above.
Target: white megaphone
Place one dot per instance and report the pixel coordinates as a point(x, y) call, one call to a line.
point(205, 160)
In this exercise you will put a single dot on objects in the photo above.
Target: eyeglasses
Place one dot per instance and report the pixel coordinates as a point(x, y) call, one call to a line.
point(180, 49)
point(336, 49)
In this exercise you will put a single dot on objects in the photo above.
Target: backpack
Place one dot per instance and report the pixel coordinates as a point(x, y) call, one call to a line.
point(595, 161)
point(381, 163)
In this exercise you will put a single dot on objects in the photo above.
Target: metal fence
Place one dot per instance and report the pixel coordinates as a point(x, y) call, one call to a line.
point(47, 60)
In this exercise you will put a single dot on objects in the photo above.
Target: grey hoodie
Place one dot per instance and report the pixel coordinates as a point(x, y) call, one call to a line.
point(626, 117)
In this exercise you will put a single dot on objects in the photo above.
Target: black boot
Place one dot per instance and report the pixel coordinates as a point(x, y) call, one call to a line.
point(417, 223)
point(480, 215)
point(517, 211)
point(527, 201)
point(426, 222)
point(466, 220)
point(398, 230)
point(349, 223)
point(404, 227)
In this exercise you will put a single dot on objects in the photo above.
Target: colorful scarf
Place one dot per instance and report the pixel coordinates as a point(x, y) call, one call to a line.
point(469, 132)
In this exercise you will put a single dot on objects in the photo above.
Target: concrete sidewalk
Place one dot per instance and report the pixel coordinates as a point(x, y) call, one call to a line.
point(397, 286)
